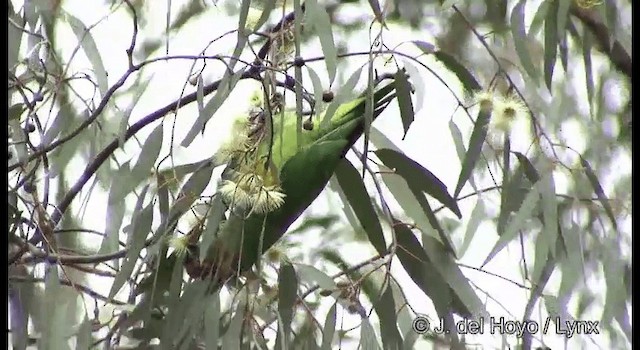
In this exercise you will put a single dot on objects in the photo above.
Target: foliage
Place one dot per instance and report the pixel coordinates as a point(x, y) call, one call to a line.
point(126, 229)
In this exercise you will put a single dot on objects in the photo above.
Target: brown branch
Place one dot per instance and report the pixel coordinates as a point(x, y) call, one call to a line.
point(616, 53)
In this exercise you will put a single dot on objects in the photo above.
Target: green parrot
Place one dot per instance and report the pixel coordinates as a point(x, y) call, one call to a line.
point(273, 174)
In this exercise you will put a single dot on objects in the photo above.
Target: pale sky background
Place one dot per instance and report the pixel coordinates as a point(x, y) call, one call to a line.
point(428, 142)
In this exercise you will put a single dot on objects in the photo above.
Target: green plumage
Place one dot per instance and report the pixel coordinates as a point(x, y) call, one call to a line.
point(303, 172)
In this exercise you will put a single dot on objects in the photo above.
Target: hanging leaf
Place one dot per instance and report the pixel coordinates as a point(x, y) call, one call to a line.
point(353, 187)
point(593, 179)
point(90, 49)
point(385, 308)
point(14, 39)
point(477, 216)
point(141, 227)
point(538, 18)
point(521, 40)
point(368, 336)
point(312, 276)
point(516, 223)
point(320, 21)
point(587, 43)
point(478, 136)
point(409, 203)
point(375, 7)
point(427, 48)
point(466, 78)
point(147, 158)
point(329, 328)
point(212, 321)
point(287, 296)
point(550, 42)
point(418, 177)
point(403, 89)
point(549, 210)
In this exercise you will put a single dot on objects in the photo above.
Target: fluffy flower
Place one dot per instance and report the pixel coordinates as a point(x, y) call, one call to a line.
point(506, 110)
point(250, 191)
point(485, 99)
point(235, 193)
point(180, 244)
point(267, 199)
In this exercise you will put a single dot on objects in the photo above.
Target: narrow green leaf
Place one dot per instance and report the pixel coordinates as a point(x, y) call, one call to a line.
point(191, 190)
point(477, 216)
point(287, 295)
point(228, 82)
point(516, 223)
point(320, 21)
point(549, 210)
point(381, 141)
point(16, 111)
point(436, 273)
point(418, 177)
point(466, 303)
point(126, 114)
point(593, 179)
point(456, 135)
point(543, 265)
point(529, 169)
point(368, 112)
point(563, 14)
point(212, 321)
point(346, 208)
point(147, 158)
point(587, 44)
point(232, 336)
point(404, 100)
point(141, 227)
point(521, 40)
point(572, 265)
point(408, 202)
point(417, 82)
point(312, 276)
point(538, 18)
point(14, 39)
point(368, 336)
point(563, 50)
point(385, 308)
point(611, 15)
point(550, 42)
point(177, 319)
point(55, 313)
point(317, 90)
point(90, 49)
point(427, 48)
point(478, 136)
point(214, 218)
point(613, 268)
point(375, 7)
point(115, 212)
point(200, 94)
point(466, 78)
point(329, 328)
point(83, 337)
point(353, 187)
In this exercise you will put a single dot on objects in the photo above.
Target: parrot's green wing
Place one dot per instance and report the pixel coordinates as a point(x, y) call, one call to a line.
point(303, 171)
